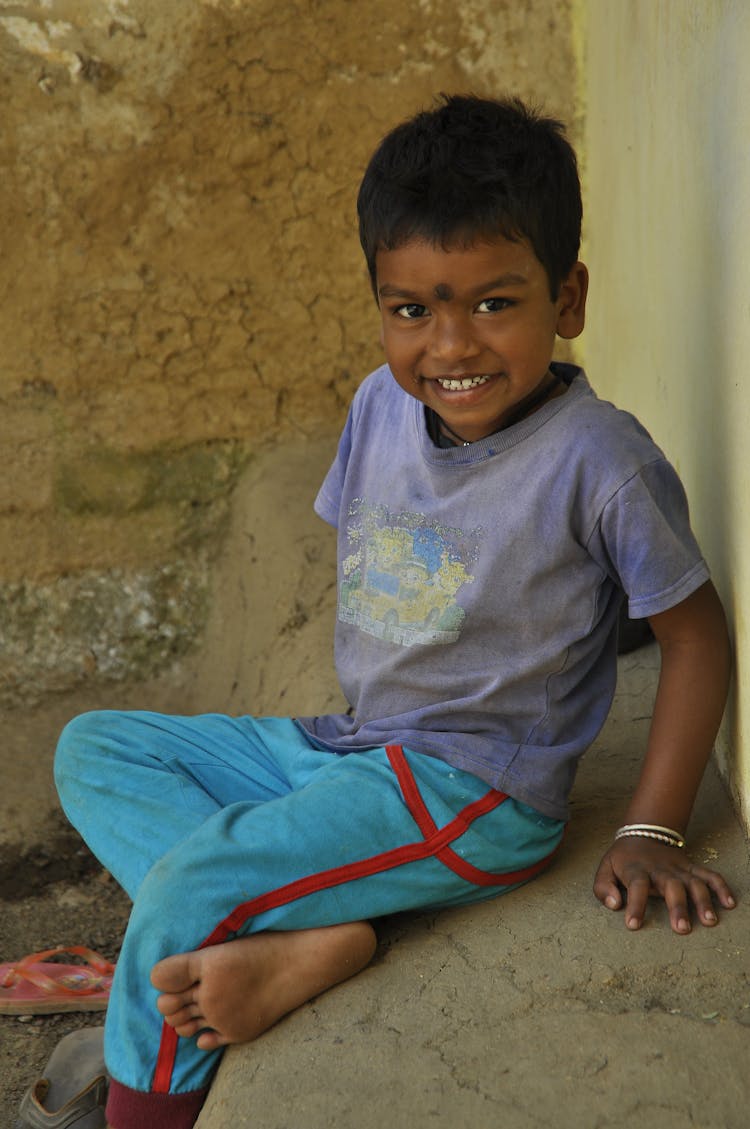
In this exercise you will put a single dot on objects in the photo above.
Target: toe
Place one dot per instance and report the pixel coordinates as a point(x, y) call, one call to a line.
point(190, 1027)
point(176, 1010)
point(174, 974)
point(211, 1041)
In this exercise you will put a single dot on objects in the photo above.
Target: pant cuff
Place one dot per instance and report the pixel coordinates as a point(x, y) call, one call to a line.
point(133, 1109)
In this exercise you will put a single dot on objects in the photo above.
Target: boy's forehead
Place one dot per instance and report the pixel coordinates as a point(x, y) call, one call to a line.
point(445, 266)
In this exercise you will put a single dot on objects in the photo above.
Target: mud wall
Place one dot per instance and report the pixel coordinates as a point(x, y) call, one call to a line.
point(180, 284)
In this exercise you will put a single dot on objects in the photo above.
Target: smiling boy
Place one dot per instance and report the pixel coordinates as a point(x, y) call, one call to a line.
point(492, 514)
point(476, 350)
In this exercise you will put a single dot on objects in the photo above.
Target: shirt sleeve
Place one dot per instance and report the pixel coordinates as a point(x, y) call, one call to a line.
point(644, 540)
point(328, 502)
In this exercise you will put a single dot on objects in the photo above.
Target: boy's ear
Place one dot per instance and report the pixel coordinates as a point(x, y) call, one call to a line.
point(571, 302)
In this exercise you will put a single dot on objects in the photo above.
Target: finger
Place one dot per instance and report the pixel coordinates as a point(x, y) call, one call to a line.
point(703, 903)
point(639, 889)
point(716, 884)
point(700, 889)
point(702, 886)
point(676, 897)
point(606, 886)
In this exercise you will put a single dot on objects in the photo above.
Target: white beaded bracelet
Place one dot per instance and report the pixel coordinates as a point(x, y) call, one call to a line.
point(651, 831)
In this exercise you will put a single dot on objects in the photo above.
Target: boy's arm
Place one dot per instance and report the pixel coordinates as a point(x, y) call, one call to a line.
point(692, 690)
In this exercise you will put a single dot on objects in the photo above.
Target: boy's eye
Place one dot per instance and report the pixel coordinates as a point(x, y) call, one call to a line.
point(410, 311)
point(493, 305)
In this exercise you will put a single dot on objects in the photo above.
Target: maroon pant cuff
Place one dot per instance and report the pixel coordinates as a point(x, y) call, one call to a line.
point(132, 1109)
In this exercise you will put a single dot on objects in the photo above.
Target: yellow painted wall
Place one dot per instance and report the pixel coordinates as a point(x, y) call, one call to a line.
point(666, 90)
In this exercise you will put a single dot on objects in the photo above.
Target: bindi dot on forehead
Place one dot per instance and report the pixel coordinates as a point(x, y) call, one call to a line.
point(443, 292)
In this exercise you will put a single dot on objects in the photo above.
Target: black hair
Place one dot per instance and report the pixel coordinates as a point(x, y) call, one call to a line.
point(474, 168)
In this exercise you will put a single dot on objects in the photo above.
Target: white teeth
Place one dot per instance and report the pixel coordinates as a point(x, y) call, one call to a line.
point(462, 385)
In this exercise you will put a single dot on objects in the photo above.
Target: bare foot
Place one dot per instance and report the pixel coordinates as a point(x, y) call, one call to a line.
point(234, 992)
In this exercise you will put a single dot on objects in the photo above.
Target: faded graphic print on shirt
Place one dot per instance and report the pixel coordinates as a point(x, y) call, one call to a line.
point(402, 575)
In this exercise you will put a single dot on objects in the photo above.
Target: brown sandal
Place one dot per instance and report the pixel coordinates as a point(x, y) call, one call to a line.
point(73, 1090)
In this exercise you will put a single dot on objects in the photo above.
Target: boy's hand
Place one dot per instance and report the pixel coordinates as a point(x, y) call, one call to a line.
point(644, 867)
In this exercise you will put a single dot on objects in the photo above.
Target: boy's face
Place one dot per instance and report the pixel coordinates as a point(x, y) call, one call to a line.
point(469, 331)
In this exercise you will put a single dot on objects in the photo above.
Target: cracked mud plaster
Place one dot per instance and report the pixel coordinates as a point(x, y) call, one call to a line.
point(180, 256)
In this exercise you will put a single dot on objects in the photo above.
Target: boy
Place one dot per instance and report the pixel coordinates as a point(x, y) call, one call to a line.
point(491, 512)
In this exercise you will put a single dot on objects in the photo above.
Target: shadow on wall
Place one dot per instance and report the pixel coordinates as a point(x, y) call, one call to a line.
point(268, 646)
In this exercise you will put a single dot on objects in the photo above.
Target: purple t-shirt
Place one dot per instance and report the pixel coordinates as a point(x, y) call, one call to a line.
point(479, 586)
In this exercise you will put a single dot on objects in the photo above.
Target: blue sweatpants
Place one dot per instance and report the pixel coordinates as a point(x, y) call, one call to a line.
point(218, 827)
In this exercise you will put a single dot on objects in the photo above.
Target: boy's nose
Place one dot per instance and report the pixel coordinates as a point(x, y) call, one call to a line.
point(452, 339)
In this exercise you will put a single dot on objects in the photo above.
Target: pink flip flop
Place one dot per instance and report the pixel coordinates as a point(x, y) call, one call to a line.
point(37, 986)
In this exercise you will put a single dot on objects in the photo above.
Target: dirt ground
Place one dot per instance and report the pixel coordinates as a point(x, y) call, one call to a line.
point(52, 890)
point(52, 907)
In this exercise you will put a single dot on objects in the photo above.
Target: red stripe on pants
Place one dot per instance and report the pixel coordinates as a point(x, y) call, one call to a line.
point(435, 844)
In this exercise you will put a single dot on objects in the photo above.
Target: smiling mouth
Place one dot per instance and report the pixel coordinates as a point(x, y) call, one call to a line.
point(463, 383)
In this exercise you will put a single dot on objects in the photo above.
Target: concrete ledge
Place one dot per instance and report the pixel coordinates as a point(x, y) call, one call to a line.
point(537, 1009)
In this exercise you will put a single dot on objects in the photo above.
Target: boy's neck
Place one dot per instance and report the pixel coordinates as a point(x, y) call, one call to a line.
point(438, 429)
